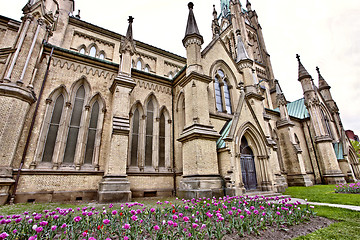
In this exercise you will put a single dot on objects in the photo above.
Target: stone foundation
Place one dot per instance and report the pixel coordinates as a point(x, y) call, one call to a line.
point(56, 196)
point(201, 186)
point(299, 180)
point(114, 189)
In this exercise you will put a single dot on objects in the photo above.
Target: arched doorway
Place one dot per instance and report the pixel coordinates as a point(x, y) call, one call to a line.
point(247, 165)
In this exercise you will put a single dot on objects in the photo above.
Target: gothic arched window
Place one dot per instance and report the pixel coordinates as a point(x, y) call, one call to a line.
point(162, 141)
point(53, 129)
point(326, 123)
point(82, 50)
point(74, 126)
point(227, 97)
point(102, 56)
point(92, 51)
point(135, 138)
point(139, 65)
point(218, 98)
point(222, 93)
point(91, 136)
point(149, 133)
point(147, 69)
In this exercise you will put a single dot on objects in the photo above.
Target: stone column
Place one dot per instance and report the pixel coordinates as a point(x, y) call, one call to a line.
point(115, 186)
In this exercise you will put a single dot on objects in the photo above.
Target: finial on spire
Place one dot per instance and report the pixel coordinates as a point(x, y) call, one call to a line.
point(318, 70)
point(78, 15)
point(298, 57)
point(131, 19)
point(191, 5)
point(214, 12)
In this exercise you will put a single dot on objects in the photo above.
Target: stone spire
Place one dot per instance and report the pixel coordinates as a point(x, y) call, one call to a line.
point(215, 24)
point(302, 71)
point(322, 83)
point(192, 42)
point(241, 51)
point(248, 5)
point(128, 42)
point(192, 29)
point(280, 97)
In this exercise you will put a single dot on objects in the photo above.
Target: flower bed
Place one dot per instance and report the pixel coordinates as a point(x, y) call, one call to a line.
point(348, 188)
point(202, 218)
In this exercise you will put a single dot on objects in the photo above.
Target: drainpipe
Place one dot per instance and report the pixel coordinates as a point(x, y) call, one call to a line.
point(316, 158)
point(12, 197)
point(173, 139)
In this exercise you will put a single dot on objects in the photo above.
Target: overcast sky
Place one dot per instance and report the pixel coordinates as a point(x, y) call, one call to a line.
point(326, 33)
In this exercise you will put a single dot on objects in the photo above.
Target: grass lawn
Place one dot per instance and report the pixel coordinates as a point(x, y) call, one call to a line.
point(348, 226)
point(324, 194)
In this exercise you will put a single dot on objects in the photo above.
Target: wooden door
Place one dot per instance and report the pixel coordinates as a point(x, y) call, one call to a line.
point(248, 171)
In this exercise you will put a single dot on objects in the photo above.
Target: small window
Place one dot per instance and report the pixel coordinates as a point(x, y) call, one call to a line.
point(138, 65)
point(147, 69)
point(101, 56)
point(92, 51)
point(82, 51)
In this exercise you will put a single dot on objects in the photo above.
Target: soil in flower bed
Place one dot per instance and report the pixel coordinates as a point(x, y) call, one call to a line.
point(290, 232)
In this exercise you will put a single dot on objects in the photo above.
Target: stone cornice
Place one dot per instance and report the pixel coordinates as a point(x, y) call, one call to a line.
point(284, 123)
point(198, 131)
point(326, 138)
point(15, 91)
point(195, 76)
point(122, 80)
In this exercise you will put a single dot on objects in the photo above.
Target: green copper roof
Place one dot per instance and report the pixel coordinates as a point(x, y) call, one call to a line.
point(220, 143)
point(296, 109)
point(338, 147)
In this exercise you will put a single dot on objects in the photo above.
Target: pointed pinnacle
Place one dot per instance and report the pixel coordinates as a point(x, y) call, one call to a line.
point(322, 83)
point(191, 26)
point(302, 71)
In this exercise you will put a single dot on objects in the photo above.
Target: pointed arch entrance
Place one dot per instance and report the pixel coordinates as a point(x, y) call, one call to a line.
point(247, 162)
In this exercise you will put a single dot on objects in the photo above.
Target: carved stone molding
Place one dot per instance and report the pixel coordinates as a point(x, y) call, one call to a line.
point(153, 87)
point(92, 38)
point(77, 67)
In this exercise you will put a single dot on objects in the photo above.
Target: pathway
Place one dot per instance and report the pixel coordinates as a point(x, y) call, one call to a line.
point(350, 207)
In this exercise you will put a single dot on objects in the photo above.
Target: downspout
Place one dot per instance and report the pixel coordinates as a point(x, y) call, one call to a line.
point(12, 197)
point(316, 158)
point(173, 139)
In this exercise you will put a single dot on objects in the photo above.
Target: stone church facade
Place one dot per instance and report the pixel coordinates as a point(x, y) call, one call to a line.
point(86, 113)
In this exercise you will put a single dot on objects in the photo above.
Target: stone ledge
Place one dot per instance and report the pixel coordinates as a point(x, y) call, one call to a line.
point(197, 131)
point(15, 91)
point(57, 172)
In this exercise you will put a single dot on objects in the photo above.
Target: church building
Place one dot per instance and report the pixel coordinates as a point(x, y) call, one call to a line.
point(90, 114)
